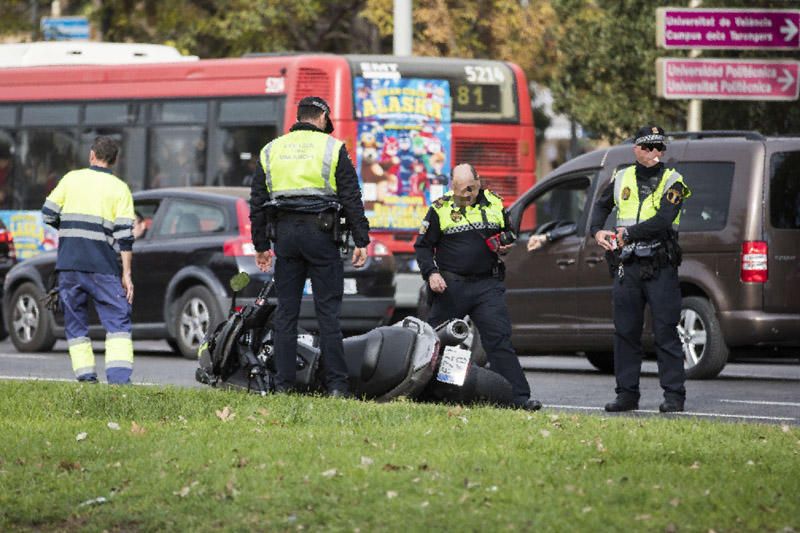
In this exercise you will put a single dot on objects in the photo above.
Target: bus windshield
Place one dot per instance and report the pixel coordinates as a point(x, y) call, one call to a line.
point(480, 90)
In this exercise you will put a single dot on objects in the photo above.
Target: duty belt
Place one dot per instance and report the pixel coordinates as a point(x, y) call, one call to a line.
point(297, 216)
point(469, 277)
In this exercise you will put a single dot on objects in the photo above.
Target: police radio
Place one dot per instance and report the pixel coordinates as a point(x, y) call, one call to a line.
point(504, 238)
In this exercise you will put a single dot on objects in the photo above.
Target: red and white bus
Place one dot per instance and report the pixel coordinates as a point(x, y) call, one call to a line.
point(185, 122)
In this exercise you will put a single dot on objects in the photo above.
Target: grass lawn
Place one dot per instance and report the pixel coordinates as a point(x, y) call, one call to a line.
point(202, 460)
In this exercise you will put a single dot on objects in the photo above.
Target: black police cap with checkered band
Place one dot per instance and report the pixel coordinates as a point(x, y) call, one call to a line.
point(649, 134)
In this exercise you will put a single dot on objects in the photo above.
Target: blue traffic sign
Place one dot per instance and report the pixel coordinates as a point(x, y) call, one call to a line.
point(65, 28)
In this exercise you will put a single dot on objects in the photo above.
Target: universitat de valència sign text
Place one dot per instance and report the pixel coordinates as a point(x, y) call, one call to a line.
point(725, 28)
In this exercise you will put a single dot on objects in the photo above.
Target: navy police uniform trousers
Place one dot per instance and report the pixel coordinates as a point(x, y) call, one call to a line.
point(662, 293)
point(303, 250)
point(483, 299)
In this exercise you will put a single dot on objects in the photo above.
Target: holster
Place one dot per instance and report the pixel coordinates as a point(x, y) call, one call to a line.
point(272, 222)
point(673, 252)
point(341, 230)
point(499, 270)
point(613, 260)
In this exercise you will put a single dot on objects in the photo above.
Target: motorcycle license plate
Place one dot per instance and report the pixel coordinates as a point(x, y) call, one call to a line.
point(454, 365)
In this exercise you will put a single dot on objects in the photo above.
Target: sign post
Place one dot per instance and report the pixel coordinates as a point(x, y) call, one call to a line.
point(728, 29)
point(727, 79)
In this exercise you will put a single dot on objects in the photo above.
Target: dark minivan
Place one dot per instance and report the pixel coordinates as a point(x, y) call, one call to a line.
point(740, 235)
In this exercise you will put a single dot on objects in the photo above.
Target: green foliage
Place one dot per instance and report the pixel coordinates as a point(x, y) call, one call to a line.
point(606, 66)
point(21, 17)
point(206, 460)
point(229, 28)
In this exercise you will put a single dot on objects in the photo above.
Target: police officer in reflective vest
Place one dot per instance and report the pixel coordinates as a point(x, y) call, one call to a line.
point(457, 252)
point(93, 212)
point(304, 183)
point(644, 256)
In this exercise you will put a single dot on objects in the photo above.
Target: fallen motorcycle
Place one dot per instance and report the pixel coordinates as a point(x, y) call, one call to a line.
point(409, 359)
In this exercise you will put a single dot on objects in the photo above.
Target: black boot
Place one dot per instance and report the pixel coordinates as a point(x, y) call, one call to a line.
point(529, 405)
point(339, 393)
point(671, 405)
point(622, 403)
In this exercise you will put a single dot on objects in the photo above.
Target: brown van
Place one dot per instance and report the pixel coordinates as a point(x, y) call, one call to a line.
point(740, 235)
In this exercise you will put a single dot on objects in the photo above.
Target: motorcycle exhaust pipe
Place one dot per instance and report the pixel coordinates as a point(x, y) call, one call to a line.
point(452, 332)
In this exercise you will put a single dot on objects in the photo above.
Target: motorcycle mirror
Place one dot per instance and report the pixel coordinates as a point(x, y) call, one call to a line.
point(239, 281)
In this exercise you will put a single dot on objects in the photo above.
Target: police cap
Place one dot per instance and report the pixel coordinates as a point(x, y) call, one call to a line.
point(649, 134)
point(319, 103)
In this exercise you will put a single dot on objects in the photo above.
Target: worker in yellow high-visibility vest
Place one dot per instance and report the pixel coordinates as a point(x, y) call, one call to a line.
point(93, 212)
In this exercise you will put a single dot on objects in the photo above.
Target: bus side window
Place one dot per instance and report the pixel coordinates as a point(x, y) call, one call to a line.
point(6, 169)
point(51, 153)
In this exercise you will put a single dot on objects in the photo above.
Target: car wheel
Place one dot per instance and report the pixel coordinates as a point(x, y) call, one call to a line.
point(29, 320)
point(704, 350)
point(197, 313)
point(602, 361)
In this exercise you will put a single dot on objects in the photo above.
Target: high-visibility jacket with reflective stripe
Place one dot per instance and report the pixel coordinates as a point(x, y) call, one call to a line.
point(630, 209)
point(452, 220)
point(301, 163)
point(93, 212)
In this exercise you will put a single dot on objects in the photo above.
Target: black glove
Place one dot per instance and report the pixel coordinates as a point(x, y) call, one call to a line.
point(51, 301)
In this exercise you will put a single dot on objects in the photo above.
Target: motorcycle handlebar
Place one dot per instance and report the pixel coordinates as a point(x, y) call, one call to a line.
point(452, 332)
point(265, 289)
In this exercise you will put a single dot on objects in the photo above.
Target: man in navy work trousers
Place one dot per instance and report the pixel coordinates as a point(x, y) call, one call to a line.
point(303, 182)
point(648, 196)
point(93, 212)
point(465, 273)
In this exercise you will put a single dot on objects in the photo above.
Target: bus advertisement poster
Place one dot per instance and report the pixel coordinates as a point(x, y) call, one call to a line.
point(404, 147)
point(31, 235)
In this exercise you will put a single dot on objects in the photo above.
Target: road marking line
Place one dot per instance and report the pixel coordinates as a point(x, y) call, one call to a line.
point(685, 413)
point(65, 380)
point(14, 356)
point(762, 402)
point(33, 378)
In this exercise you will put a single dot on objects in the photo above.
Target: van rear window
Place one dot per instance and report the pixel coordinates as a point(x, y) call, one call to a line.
point(784, 190)
point(711, 183)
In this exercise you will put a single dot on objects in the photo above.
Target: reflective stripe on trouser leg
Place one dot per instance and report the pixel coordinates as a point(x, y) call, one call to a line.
point(119, 357)
point(82, 356)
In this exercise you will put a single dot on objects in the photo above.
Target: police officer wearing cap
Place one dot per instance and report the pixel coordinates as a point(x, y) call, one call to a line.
point(648, 196)
point(457, 251)
point(302, 187)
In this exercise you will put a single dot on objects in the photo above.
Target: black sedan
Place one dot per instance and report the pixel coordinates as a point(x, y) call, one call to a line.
point(195, 240)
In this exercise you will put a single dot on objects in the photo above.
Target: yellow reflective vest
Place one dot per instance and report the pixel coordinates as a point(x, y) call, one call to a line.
point(93, 212)
point(453, 219)
point(301, 163)
point(630, 208)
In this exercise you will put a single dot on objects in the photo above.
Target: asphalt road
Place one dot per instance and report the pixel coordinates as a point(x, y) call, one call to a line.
point(760, 391)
